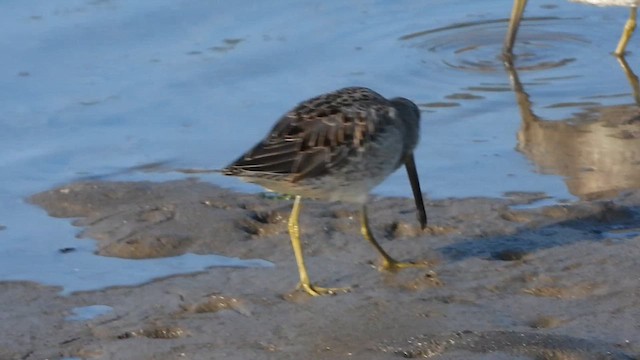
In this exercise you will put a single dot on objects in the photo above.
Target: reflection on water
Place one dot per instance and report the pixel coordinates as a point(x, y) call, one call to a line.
point(632, 77)
point(597, 150)
point(473, 45)
point(592, 151)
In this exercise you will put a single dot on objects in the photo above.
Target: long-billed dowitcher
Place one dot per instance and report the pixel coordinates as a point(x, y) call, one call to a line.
point(630, 26)
point(336, 147)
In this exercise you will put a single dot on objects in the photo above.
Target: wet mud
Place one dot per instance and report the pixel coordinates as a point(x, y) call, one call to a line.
point(506, 279)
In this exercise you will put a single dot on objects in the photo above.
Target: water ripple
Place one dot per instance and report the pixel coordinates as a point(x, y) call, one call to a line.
point(476, 46)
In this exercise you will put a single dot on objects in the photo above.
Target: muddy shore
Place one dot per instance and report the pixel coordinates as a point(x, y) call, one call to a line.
point(505, 280)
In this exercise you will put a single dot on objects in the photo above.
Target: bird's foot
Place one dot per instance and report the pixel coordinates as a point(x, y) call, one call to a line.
point(320, 291)
point(393, 265)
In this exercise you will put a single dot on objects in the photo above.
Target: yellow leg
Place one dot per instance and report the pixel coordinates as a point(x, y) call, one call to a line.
point(294, 233)
point(514, 25)
point(629, 27)
point(388, 263)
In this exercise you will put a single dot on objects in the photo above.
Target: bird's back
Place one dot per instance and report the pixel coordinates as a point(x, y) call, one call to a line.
point(340, 142)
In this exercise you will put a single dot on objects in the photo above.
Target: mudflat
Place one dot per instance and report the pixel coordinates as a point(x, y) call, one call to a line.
point(503, 280)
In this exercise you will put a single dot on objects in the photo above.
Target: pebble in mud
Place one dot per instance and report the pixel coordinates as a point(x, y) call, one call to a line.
point(215, 303)
point(170, 332)
point(545, 322)
point(509, 255)
point(423, 282)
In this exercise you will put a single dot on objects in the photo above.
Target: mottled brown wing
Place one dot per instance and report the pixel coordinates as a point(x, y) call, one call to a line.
point(319, 134)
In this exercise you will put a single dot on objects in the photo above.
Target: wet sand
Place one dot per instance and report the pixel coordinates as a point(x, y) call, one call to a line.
point(503, 282)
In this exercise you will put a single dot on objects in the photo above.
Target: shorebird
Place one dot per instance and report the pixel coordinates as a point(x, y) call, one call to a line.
point(630, 26)
point(336, 147)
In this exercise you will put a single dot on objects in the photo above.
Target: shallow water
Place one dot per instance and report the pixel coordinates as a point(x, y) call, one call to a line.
point(98, 89)
point(90, 312)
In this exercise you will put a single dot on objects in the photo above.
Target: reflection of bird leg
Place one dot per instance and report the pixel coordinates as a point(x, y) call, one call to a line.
point(524, 103)
point(633, 79)
point(530, 122)
point(629, 27)
point(514, 25)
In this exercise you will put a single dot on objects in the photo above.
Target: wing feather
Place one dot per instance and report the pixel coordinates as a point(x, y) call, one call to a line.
point(318, 135)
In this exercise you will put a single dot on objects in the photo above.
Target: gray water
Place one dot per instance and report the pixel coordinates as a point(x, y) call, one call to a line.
point(98, 89)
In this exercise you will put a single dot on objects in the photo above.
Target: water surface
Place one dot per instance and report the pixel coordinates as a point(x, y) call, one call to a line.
point(98, 89)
